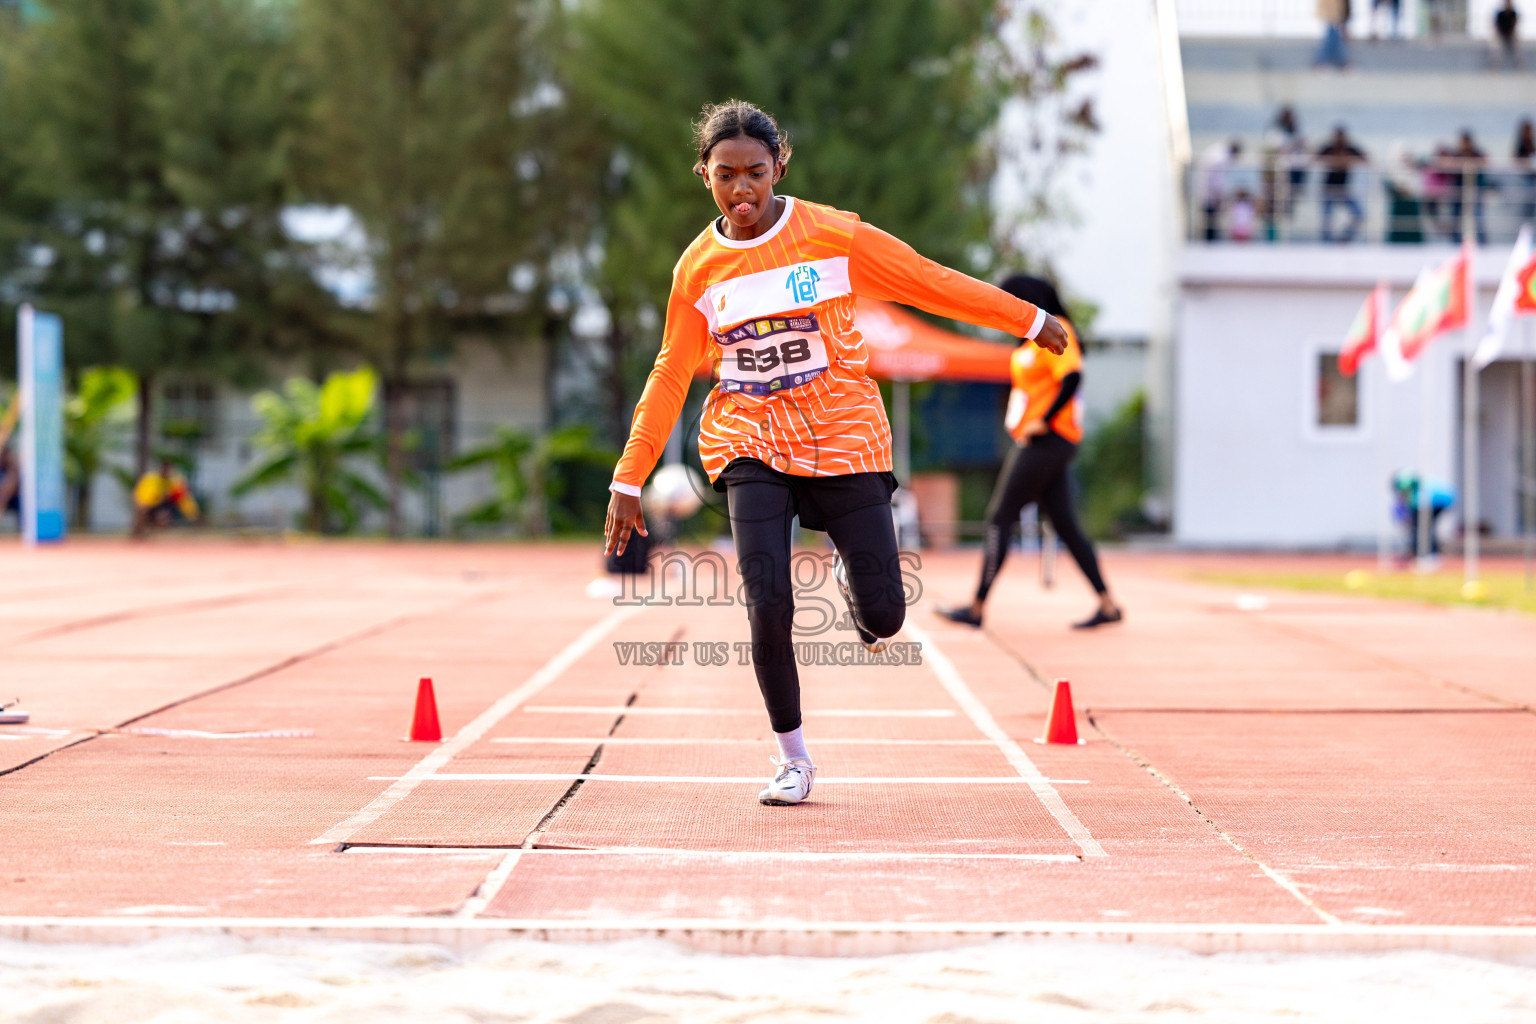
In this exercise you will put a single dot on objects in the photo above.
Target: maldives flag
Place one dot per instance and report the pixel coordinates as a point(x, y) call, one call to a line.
point(1516, 297)
point(1439, 301)
point(1525, 287)
point(1365, 332)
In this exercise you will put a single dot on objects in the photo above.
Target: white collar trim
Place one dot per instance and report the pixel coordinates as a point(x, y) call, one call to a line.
point(729, 243)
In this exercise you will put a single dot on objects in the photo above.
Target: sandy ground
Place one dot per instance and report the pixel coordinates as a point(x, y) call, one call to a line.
point(200, 979)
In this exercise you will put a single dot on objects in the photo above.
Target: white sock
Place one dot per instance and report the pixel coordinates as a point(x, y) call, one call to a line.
point(792, 745)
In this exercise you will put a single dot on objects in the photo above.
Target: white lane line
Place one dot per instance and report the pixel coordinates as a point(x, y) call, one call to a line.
point(819, 856)
point(491, 886)
point(756, 780)
point(821, 741)
point(620, 709)
point(471, 733)
point(199, 734)
point(1051, 800)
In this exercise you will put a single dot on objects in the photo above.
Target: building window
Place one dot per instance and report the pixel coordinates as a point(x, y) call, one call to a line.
point(1338, 396)
point(427, 411)
point(189, 413)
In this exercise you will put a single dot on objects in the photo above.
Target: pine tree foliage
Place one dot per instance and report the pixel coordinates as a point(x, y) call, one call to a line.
point(145, 186)
point(890, 105)
point(437, 123)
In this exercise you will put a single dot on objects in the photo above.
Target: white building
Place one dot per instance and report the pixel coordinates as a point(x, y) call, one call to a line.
point(1240, 334)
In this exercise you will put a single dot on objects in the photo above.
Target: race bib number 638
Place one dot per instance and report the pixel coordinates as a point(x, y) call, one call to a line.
point(764, 357)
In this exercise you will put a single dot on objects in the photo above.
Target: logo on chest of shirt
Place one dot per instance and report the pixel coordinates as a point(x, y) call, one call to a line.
point(802, 283)
point(769, 294)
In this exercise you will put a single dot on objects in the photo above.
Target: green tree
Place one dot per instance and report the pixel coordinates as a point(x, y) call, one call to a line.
point(523, 476)
point(890, 105)
point(314, 435)
point(438, 124)
point(90, 415)
point(1113, 470)
point(146, 174)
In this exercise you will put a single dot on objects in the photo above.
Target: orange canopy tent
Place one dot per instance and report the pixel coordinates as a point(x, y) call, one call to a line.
point(904, 348)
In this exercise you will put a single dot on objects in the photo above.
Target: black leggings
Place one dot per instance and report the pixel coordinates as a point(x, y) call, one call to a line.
point(1035, 472)
point(761, 517)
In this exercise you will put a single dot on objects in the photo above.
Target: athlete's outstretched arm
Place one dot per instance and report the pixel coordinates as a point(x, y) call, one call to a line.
point(882, 266)
point(684, 342)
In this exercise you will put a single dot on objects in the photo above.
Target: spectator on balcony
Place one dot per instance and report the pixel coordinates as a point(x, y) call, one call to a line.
point(1435, 16)
point(1525, 171)
point(1405, 225)
point(1220, 161)
point(1242, 217)
point(1440, 173)
point(1285, 160)
point(1467, 186)
point(1394, 11)
point(1334, 15)
point(1338, 159)
point(1506, 26)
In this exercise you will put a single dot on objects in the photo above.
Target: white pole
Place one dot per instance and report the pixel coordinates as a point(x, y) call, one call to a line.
point(1470, 425)
point(674, 450)
point(901, 412)
point(1528, 453)
point(1469, 473)
point(26, 441)
point(1426, 395)
point(1470, 201)
point(1384, 466)
point(1047, 553)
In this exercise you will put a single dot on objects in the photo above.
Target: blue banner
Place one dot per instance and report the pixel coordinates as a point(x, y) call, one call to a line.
point(40, 360)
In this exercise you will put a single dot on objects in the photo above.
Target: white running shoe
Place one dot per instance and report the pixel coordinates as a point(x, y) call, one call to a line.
point(873, 644)
point(791, 785)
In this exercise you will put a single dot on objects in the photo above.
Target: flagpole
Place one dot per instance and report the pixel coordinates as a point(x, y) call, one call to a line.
point(1384, 472)
point(1470, 470)
point(1527, 489)
point(1380, 301)
point(1425, 560)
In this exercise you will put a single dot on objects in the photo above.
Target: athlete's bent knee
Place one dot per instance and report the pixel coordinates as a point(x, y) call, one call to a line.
point(885, 619)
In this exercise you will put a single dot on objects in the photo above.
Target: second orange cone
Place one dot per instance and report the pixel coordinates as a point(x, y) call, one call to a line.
point(1061, 725)
point(424, 725)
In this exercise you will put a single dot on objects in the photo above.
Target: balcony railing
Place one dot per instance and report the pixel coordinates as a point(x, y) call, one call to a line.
point(1292, 18)
point(1277, 204)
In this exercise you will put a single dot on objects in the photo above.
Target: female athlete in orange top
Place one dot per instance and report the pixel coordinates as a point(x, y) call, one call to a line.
point(1044, 419)
point(795, 426)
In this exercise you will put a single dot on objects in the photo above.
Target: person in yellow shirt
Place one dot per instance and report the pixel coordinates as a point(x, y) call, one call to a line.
point(1044, 417)
point(160, 497)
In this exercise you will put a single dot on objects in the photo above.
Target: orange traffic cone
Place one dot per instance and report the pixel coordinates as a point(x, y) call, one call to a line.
point(1061, 726)
point(424, 722)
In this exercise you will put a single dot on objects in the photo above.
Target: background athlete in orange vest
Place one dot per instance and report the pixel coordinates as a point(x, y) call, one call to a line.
point(795, 426)
point(1044, 419)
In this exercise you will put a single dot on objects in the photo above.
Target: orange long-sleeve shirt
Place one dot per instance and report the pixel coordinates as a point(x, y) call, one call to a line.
point(775, 315)
point(1037, 375)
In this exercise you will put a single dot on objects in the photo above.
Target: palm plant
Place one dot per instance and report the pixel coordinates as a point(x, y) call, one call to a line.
point(97, 406)
point(313, 434)
point(522, 473)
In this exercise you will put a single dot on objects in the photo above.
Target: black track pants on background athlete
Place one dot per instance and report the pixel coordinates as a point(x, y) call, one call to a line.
point(1036, 471)
point(761, 515)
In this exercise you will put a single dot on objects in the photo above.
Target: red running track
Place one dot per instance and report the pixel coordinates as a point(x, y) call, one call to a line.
point(1324, 773)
